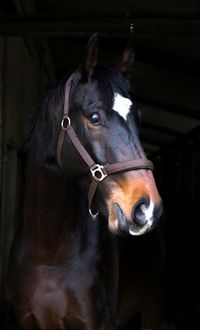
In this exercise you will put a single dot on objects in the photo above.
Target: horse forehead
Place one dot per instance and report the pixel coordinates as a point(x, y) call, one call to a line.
point(122, 105)
point(87, 93)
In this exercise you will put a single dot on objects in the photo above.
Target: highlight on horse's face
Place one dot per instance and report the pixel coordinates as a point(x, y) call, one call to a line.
point(109, 131)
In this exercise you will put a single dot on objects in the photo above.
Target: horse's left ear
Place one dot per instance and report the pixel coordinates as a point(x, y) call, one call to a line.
point(91, 57)
point(127, 60)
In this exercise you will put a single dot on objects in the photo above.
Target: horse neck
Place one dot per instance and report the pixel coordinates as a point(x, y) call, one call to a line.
point(57, 224)
point(50, 205)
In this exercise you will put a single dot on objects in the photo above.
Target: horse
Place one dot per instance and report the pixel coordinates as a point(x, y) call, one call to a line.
point(79, 259)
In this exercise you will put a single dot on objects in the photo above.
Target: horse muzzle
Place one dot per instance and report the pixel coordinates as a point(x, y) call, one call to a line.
point(144, 216)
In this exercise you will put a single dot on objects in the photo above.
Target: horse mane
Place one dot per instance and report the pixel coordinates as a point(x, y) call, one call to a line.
point(37, 117)
point(110, 81)
point(54, 94)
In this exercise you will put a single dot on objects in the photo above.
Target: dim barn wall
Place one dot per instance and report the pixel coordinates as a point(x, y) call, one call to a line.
point(26, 71)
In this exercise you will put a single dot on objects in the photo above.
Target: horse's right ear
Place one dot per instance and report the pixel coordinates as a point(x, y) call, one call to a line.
point(91, 57)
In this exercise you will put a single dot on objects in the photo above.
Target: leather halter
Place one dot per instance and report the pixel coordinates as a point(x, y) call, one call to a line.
point(98, 172)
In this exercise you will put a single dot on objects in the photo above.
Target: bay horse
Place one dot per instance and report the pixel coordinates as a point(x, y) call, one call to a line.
point(79, 259)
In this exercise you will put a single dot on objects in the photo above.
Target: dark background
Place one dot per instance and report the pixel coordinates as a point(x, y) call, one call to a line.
point(41, 40)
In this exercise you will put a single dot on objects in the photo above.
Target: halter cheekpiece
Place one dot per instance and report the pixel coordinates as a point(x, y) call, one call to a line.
point(98, 172)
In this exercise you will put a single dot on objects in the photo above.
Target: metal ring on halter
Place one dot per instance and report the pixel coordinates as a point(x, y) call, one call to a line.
point(93, 215)
point(65, 118)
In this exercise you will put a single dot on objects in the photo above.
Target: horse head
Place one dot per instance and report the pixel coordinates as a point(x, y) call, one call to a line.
point(105, 120)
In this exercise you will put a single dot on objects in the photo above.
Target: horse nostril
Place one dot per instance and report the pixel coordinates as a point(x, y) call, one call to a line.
point(122, 222)
point(139, 211)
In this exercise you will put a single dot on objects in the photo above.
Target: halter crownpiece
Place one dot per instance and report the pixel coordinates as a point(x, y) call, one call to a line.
point(98, 172)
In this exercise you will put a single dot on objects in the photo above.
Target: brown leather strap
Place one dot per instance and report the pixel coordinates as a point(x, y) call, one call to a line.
point(70, 131)
point(67, 93)
point(134, 164)
point(79, 147)
point(59, 146)
point(91, 192)
point(65, 111)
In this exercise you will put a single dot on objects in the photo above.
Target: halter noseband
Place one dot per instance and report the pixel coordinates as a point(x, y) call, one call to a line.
point(98, 172)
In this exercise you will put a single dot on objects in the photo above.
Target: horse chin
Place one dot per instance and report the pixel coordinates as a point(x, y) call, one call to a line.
point(133, 229)
point(136, 230)
point(119, 224)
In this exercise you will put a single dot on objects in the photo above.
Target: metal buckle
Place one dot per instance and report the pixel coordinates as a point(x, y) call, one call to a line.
point(98, 172)
point(65, 118)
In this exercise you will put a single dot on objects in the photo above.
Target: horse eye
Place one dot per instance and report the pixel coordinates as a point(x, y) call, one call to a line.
point(94, 118)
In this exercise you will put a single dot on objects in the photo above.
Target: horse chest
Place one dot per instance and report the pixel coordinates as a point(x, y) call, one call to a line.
point(67, 287)
point(59, 294)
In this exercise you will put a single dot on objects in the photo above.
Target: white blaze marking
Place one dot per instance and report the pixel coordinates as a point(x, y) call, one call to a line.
point(121, 105)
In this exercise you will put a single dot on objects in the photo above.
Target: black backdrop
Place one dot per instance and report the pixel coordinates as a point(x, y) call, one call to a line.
point(178, 178)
